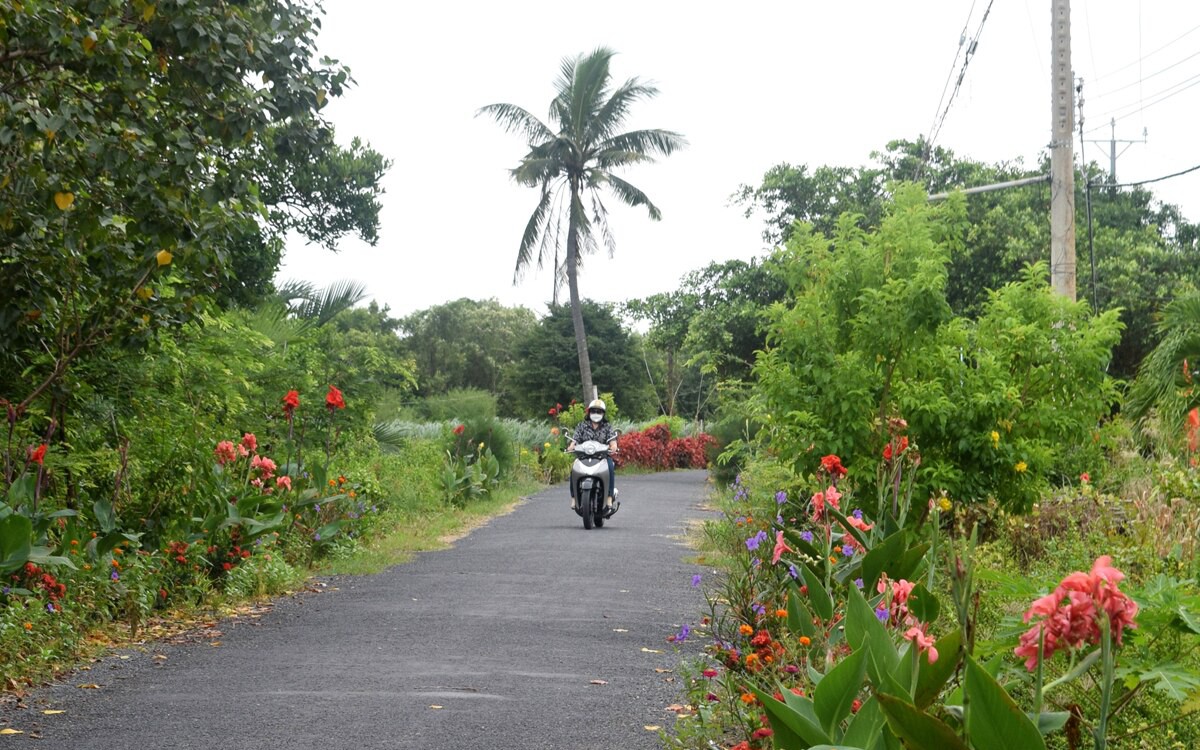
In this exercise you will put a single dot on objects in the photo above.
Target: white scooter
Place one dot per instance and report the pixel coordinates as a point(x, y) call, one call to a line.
point(589, 479)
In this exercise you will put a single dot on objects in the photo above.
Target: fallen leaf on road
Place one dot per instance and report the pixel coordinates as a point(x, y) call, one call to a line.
point(214, 643)
point(89, 686)
point(652, 727)
point(123, 657)
point(676, 707)
point(650, 650)
point(620, 630)
point(599, 682)
point(436, 707)
point(660, 670)
point(51, 712)
point(8, 730)
point(160, 657)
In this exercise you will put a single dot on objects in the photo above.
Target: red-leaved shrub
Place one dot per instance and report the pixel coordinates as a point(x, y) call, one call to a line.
point(653, 448)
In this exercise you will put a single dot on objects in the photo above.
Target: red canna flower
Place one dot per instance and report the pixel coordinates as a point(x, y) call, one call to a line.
point(459, 429)
point(833, 466)
point(291, 402)
point(334, 400)
point(38, 454)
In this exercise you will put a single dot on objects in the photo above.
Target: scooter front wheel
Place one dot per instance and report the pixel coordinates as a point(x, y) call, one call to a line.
point(589, 512)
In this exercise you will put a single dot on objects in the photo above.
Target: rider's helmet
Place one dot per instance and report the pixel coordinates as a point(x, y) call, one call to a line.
point(596, 410)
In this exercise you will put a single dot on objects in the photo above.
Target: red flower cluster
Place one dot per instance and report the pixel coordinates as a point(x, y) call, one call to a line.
point(36, 578)
point(459, 429)
point(895, 447)
point(1071, 613)
point(178, 550)
point(38, 454)
point(832, 465)
point(334, 400)
point(291, 402)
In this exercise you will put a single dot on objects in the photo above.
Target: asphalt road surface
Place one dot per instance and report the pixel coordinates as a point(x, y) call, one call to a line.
point(529, 633)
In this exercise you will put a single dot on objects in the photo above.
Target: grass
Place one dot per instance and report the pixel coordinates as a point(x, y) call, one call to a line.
point(404, 533)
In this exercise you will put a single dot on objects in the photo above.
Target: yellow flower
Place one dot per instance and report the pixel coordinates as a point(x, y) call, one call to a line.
point(64, 200)
point(481, 446)
point(995, 439)
point(163, 257)
point(944, 503)
point(546, 446)
point(1020, 467)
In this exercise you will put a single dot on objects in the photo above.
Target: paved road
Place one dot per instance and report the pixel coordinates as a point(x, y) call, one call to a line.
point(505, 633)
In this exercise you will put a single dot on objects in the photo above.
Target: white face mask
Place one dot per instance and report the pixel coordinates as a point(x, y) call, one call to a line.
point(596, 417)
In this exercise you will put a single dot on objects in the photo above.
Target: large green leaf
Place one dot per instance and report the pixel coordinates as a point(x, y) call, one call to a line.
point(791, 726)
point(821, 601)
point(799, 618)
point(923, 604)
point(864, 631)
point(931, 678)
point(15, 543)
point(919, 730)
point(994, 721)
point(884, 556)
point(865, 727)
point(836, 693)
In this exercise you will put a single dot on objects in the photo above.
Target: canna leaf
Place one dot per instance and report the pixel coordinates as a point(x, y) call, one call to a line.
point(995, 722)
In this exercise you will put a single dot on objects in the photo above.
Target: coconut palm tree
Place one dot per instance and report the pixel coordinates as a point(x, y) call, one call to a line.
point(570, 165)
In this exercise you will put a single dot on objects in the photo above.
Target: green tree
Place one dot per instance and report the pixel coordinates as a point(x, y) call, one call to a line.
point(580, 158)
point(465, 343)
point(1146, 252)
point(997, 405)
point(542, 374)
point(137, 151)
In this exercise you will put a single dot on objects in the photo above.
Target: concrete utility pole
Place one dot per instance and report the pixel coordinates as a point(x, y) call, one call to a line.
point(1062, 162)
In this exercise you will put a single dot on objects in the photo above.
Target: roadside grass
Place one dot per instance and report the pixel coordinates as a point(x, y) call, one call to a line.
point(403, 533)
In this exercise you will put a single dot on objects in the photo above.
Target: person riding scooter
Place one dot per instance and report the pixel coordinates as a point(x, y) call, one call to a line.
point(596, 427)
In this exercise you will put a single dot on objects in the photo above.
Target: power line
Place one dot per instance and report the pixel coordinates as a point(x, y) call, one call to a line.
point(1163, 95)
point(962, 39)
point(1147, 55)
point(1138, 82)
point(1156, 179)
point(970, 52)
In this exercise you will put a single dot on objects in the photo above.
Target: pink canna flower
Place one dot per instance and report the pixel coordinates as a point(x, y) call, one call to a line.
point(249, 442)
point(922, 641)
point(284, 482)
point(225, 452)
point(1070, 615)
point(780, 547)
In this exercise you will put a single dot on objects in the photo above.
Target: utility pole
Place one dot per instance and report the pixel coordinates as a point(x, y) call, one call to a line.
point(1062, 162)
point(1112, 149)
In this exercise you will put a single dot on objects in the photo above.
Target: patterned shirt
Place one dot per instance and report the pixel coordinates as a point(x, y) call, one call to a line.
point(601, 433)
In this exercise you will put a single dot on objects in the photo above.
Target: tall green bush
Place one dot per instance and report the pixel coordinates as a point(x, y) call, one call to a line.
point(997, 407)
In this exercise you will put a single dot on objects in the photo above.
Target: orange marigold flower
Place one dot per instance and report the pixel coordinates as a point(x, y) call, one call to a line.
point(29, 626)
point(805, 640)
point(747, 698)
point(745, 629)
point(781, 613)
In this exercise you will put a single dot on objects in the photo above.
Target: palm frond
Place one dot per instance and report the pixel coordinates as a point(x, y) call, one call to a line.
point(273, 320)
point(1163, 374)
point(600, 217)
point(390, 435)
point(616, 108)
point(516, 119)
point(632, 196)
point(533, 229)
point(324, 306)
point(292, 291)
point(646, 142)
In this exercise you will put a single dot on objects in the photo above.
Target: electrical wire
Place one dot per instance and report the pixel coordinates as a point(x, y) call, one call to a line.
point(961, 75)
point(1148, 55)
point(1138, 82)
point(1156, 179)
point(1163, 95)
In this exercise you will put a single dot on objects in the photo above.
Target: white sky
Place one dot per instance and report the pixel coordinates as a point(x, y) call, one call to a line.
point(750, 85)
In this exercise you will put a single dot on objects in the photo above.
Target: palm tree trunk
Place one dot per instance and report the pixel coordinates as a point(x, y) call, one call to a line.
point(585, 364)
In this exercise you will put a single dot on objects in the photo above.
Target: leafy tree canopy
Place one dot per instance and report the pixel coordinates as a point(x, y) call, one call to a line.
point(152, 151)
point(1146, 251)
point(544, 373)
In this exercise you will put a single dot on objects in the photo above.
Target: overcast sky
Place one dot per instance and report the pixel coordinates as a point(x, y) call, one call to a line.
point(749, 85)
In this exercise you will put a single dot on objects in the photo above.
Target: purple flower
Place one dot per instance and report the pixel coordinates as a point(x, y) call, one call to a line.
point(50, 608)
point(848, 550)
point(114, 576)
point(780, 497)
point(882, 614)
point(806, 536)
point(857, 513)
point(317, 507)
point(753, 542)
point(858, 582)
point(317, 536)
point(5, 590)
point(683, 633)
point(695, 580)
point(759, 609)
point(755, 562)
point(793, 572)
